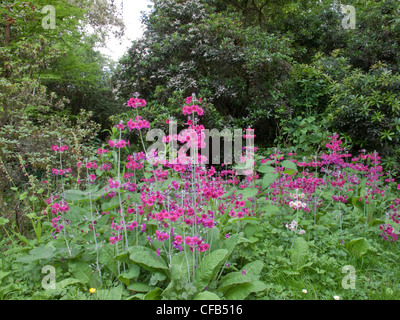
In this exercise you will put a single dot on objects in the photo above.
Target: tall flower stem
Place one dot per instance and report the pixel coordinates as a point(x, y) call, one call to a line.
point(122, 213)
point(63, 200)
point(94, 228)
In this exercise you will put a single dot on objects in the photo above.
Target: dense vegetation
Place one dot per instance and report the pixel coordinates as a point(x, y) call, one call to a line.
point(310, 213)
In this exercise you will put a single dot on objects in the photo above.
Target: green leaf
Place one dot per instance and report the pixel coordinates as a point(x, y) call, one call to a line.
point(289, 165)
point(234, 279)
point(76, 195)
point(153, 295)
point(138, 296)
point(358, 246)
point(290, 172)
point(231, 243)
point(208, 267)
point(215, 242)
point(81, 271)
point(112, 204)
point(133, 272)
point(170, 291)
point(42, 252)
point(106, 257)
point(148, 260)
point(376, 222)
point(3, 275)
point(156, 277)
point(3, 221)
point(179, 267)
point(268, 179)
point(23, 196)
point(249, 193)
point(241, 291)
point(110, 294)
point(299, 253)
point(254, 268)
point(139, 287)
point(66, 282)
point(264, 168)
point(269, 209)
point(206, 295)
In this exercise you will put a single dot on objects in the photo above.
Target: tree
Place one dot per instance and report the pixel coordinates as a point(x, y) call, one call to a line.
point(189, 46)
point(47, 76)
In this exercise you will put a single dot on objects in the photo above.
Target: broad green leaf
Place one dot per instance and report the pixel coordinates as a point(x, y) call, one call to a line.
point(139, 287)
point(138, 296)
point(288, 164)
point(154, 294)
point(290, 172)
point(269, 209)
point(81, 271)
point(214, 242)
point(106, 257)
point(66, 282)
point(42, 252)
point(110, 294)
point(112, 204)
point(208, 267)
point(264, 168)
point(376, 222)
point(299, 253)
point(181, 267)
point(135, 249)
point(358, 246)
point(3, 275)
point(123, 257)
point(249, 193)
point(241, 291)
point(231, 243)
point(76, 195)
point(268, 179)
point(206, 295)
point(170, 292)
point(133, 272)
point(148, 260)
point(254, 268)
point(157, 276)
point(234, 279)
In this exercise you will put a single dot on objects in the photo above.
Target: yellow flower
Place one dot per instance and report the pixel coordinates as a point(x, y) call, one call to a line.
point(92, 290)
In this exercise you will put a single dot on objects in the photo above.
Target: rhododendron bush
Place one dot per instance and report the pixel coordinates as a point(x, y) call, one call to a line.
point(168, 223)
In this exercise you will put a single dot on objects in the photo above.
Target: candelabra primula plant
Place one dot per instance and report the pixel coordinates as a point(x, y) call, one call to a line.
point(172, 215)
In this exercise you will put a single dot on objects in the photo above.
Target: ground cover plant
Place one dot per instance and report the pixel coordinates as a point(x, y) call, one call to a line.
point(129, 222)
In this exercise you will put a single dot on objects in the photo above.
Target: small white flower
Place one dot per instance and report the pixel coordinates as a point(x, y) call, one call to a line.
point(336, 297)
point(304, 291)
